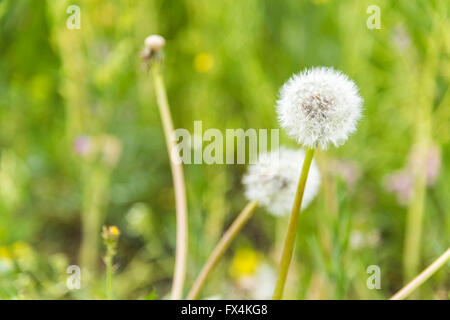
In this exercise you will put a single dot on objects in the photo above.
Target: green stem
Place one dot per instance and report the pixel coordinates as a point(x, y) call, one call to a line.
point(179, 185)
point(95, 199)
point(413, 233)
point(422, 277)
point(109, 273)
point(221, 247)
point(292, 228)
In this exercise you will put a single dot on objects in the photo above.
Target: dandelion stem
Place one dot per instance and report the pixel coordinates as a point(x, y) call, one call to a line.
point(292, 228)
point(221, 247)
point(422, 277)
point(179, 185)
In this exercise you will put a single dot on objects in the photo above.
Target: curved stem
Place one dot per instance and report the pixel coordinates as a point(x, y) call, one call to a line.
point(292, 228)
point(422, 277)
point(221, 247)
point(179, 186)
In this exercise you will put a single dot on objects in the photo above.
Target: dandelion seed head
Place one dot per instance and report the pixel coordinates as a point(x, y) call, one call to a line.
point(319, 106)
point(272, 180)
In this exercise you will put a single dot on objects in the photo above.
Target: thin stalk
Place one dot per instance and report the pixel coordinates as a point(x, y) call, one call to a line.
point(426, 85)
point(179, 185)
point(109, 273)
point(422, 277)
point(292, 228)
point(221, 247)
point(413, 233)
point(95, 199)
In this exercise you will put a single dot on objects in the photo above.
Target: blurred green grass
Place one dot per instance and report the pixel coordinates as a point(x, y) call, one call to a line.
point(224, 62)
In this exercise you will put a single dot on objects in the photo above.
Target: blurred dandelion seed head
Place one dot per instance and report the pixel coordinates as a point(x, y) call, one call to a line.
point(260, 284)
point(319, 106)
point(364, 239)
point(401, 38)
point(272, 181)
point(111, 148)
point(137, 219)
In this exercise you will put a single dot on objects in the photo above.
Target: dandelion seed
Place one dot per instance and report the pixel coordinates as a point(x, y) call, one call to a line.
point(319, 106)
point(272, 181)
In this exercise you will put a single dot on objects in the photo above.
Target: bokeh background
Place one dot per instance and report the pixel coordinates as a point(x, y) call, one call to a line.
point(80, 135)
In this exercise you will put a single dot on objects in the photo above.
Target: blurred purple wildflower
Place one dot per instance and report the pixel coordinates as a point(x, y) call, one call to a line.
point(82, 145)
point(401, 182)
point(349, 171)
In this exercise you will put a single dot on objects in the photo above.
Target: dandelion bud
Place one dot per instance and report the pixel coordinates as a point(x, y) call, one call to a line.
point(154, 42)
point(272, 181)
point(152, 49)
point(318, 107)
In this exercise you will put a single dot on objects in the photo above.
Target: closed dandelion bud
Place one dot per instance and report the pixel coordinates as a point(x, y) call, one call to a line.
point(154, 42)
point(319, 106)
point(272, 181)
point(152, 47)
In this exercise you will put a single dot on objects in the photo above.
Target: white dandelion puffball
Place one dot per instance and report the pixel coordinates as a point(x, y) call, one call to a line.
point(319, 106)
point(272, 181)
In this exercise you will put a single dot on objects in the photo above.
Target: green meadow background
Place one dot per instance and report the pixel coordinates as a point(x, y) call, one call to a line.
point(224, 62)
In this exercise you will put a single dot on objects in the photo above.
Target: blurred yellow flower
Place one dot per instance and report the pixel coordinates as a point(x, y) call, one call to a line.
point(114, 230)
point(4, 252)
point(244, 263)
point(203, 62)
point(21, 249)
